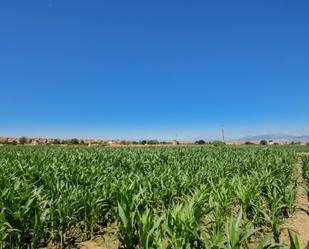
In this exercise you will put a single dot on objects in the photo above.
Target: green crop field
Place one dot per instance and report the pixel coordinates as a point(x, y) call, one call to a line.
point(305, 163)
point(152, 197)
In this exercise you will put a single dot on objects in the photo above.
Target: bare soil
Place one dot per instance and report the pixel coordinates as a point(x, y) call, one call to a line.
point(99, 244)
point(108, 240)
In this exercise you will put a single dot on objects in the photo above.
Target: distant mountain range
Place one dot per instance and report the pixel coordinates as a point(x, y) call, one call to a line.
point(276, 137)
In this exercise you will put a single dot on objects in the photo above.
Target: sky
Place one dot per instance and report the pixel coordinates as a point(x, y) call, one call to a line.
point(153, 69)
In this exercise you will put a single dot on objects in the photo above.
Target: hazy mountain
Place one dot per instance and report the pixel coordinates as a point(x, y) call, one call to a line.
point(276, 137)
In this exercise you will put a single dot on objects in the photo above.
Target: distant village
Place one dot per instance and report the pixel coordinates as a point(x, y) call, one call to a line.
point(76, 141)
point(100, 142)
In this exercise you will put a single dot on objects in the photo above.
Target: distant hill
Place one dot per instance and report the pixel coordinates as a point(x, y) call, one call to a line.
point(276, 137)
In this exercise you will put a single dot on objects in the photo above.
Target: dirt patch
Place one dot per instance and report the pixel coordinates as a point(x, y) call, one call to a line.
point(100, 244)
point(299, 221)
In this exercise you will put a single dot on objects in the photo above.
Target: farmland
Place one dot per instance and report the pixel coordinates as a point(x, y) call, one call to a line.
point(152, 197)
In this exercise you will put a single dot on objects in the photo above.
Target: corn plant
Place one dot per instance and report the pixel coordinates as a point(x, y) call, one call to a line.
point(158, 197)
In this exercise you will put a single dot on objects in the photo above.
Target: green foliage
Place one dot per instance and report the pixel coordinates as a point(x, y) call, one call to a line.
point(149, 142)
point(153, 142)
point(294, 243)
point(217, 143)
point(158, 197)
point(248, 143)
point(200, 141)
point(56, 141)
point(305, 167)
point(263, 142)
point(73, 141)
point(237, 236)
point(23, 140)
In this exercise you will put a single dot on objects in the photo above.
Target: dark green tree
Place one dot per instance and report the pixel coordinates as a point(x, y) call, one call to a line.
point(201, 141)
point(263, 142)
point(74, 141)
point(143, 142)
point(152, 142)
point(23, 140)
point(56, 141)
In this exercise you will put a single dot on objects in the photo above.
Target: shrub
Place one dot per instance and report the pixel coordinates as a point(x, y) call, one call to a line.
point(201, 141)
point(263, 142)
point(23, 140)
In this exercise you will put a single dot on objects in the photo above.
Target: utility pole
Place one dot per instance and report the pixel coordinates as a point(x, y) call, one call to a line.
point(222, 130)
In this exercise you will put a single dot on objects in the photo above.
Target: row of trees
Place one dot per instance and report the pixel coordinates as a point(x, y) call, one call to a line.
point(262, 142)
point(215, 143)
point(142, 142)
point(75, 141)
point(265, 142)
point(25, 140)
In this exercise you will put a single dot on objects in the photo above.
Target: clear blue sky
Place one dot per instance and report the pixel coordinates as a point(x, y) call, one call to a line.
point(153, 69)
